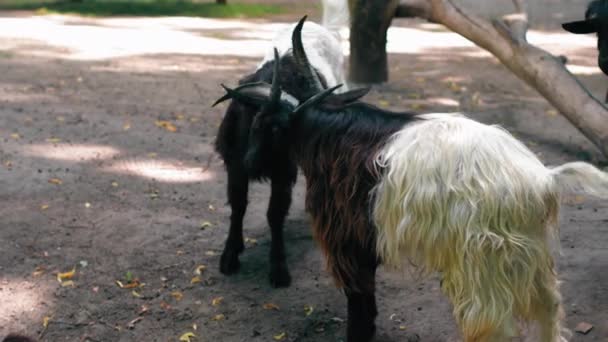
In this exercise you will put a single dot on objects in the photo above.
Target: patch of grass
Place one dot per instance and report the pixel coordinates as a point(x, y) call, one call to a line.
point(99, 8)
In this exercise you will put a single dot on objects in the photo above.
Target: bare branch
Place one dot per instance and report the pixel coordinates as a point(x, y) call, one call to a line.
point(541, 70)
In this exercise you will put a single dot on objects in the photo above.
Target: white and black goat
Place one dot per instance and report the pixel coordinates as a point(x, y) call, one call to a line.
point(596, 21)
point(444, 192)
point(326, 63)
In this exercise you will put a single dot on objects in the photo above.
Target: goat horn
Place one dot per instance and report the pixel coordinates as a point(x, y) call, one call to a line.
point(275, 91)
point(315, 99)
point(301, 59)
point(255, 93)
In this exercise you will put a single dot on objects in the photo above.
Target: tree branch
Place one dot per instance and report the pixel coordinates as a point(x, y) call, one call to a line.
point(506, 40)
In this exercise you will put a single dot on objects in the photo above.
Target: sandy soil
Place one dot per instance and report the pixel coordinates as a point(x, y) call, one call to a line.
point(107, 167)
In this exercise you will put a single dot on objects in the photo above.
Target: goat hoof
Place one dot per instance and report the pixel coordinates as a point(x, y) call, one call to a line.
point(229, 262)
point(279, 276)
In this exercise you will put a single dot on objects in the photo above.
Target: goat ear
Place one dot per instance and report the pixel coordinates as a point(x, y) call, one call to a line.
point(581, 27)
point(253, 93)
point(319, 97)
point(347, 97)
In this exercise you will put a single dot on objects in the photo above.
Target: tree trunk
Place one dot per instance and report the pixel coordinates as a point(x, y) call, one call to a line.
point(370, 20)
point(506, 39)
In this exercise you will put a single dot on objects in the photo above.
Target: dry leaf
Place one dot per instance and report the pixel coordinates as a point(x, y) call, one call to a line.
point(130, 285)
point(200, 269)
point(383, 103)
point(177, 295)
point(53, 140)
point(280, 337)
point(44, 207)
point(15, 136)
point(165, 306)
point(402, 327)
point(115, 184)
point(251, 241)
point(55, 181)
point(66, 275)
point(38, 271)
point(195, 280)
point(87, 205)
point(270, 306)
point(45, 321)
point(131, 324)
point(126, 126)
point(166, 125)
point(205, 224)
point(210, 253)
point(551, 112)
point(194, 326)
point(219, 317)
point(68, 283)
point(211, 207)
point(308, 309)
point(217, 301)
point(60, 119)
point(152, 154)
point(136, 294)
point(186, 337)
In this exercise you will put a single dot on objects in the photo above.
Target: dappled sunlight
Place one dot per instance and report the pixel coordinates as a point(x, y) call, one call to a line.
point(583, 69)
point(162, 170)
point(98, 39)
point(21, 300)
point(68, 152)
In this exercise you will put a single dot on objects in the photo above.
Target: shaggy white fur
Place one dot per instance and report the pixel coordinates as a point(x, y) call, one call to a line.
point(323, 50)
point(470, 201)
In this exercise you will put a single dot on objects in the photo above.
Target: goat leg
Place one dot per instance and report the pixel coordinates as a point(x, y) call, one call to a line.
point(280, 201)
point(238, 187)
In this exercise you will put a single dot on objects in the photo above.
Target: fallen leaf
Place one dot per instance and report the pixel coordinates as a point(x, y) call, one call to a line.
point(217, 301)
point(68, 283)
point(195, 280)
point(115, 184)
point(152, 155)
point(280, 337)
point(180, 252)
point(200, 269)
point(251, 241)
point(219, 317)
point(551, 112)
point(135, 283)
point(55, 181)
point(211, 207)
point(166, 125)
point(165, 306)
point(583, 328)
point(66, 275)
point(210, 253)
point(308, 309)
point(186, 337)
point(87, 205)
point(45, 321)
point(383, 103)
point(270, 306)
point(39, 270)
point(177, 295)
point(53, 140)
point(402, 327)
point(15, 136)
point(60, 119)
point(205, 224)
point(131, 324)
point(136, 294)
point(96, 289)
point(143, 310)
point(44, 207)
point(194, 326)
point(126, 126)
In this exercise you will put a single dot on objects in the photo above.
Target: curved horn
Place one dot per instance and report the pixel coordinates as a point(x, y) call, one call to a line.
point(275, 92)
point(315, 99)
point(301, 59)
point(257, 93)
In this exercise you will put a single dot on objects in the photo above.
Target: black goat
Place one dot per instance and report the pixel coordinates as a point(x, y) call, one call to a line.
point(233, 135)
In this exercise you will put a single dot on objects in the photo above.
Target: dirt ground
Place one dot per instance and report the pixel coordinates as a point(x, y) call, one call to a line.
point(107, 167)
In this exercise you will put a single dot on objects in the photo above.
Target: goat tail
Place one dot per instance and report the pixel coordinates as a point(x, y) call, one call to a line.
point(582, 177)
point(336, 15)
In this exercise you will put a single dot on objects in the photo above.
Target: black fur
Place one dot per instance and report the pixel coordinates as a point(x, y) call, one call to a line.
point(335, 144)
point(232, 143)
point(17, 338)
point(596, 20)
